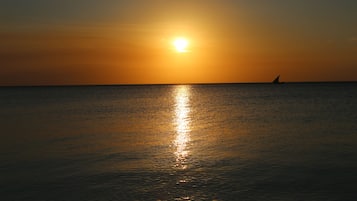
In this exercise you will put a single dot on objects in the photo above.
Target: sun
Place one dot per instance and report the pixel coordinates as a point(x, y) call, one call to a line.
point(181, 44)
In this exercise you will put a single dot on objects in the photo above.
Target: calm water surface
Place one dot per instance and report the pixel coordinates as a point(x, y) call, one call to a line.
point(179, 142)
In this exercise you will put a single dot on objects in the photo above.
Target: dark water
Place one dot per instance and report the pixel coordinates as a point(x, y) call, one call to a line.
point(179, 142)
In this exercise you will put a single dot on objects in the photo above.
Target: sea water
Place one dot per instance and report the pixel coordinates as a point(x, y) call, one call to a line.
point(179, 142)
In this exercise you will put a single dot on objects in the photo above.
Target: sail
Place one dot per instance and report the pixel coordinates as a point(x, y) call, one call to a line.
point(276, 80)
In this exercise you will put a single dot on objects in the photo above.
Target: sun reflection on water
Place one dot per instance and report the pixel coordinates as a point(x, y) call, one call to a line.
point(182, 123)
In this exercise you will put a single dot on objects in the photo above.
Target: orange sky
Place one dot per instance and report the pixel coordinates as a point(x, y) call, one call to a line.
point(130, 42)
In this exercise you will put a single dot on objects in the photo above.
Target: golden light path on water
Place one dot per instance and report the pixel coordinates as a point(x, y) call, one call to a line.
point(182, 123)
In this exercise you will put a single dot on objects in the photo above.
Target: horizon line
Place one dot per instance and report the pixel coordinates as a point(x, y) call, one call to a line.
point(157, 84)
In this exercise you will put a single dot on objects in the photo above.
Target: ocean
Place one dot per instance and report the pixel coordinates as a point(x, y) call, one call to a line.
point(288, 142)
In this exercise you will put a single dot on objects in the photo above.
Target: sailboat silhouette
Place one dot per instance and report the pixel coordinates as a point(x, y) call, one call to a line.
point(276, 80)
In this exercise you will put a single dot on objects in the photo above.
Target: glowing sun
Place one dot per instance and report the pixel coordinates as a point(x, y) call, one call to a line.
point(181, 44)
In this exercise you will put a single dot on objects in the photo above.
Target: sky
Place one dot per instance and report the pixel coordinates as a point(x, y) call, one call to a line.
point(50, 42)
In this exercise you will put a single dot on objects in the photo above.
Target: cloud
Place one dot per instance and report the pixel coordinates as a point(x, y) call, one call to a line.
point(353, 39)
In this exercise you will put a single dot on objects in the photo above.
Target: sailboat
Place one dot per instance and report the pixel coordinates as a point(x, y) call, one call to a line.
point(276, 80)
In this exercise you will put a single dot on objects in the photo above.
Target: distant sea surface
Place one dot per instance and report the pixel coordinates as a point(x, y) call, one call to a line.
point(179, 142)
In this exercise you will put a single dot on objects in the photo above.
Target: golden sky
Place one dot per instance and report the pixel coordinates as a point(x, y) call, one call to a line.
point(131, 42)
